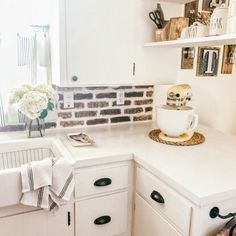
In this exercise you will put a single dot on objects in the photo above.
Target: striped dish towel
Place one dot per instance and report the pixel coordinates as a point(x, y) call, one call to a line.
point(47, 184)
point(26, 49)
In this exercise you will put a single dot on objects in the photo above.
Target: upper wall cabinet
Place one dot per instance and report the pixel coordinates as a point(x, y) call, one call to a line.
point(96, 45)
point(101, 43)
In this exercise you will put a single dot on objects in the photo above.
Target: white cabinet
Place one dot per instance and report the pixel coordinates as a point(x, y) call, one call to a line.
point(151, 189)
point(148, 222)
point(158, 209)
point(103, 200)
point(99, 38)
point(100, 180)
point(39, 223)
point(101, 43)
point(102, 216)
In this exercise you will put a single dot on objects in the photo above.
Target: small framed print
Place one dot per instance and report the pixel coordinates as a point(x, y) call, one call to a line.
point(187, 61)
point(191, 11)
point(228, 59)
point(210, 5)
point(208, 61)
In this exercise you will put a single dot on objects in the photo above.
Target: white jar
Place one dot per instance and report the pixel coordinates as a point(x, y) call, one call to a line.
point(219, 18)
point(231, 25)
point(195, 30)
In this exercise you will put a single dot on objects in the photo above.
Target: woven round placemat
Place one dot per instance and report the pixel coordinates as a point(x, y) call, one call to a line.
point(196, 139)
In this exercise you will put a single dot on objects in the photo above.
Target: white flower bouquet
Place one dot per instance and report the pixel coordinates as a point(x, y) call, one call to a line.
point(34, 101)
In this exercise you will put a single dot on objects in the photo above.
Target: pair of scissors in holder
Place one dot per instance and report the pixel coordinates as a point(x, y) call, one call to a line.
point(155, 17)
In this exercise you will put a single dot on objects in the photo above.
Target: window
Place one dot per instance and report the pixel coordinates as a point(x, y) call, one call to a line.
point(21, 45)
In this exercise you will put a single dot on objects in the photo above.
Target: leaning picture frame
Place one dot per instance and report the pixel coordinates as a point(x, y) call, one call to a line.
point(210, 5)
point(208, 61)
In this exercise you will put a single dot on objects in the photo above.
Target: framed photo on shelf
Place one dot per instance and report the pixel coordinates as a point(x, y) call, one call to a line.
point(210, 5)
point(228, 59)
point(208, 61)
point(191, 11)
point(187, 61)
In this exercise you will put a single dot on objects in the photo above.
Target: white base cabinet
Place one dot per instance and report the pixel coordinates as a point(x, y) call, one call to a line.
point(103, 200)
point(39, 223)
point(102, 216)
point(158, 209)
point(148, 222)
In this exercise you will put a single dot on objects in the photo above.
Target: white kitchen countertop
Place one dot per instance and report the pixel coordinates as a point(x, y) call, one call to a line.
point(204, 173)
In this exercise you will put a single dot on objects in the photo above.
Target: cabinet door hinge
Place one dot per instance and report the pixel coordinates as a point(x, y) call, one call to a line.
point(134, 68)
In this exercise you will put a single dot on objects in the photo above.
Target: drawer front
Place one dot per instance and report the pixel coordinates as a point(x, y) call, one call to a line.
point(148, 222)
point(164, 200)
point(104, 216)
point(100, 180)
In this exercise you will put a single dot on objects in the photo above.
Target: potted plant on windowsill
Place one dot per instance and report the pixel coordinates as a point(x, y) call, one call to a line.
point(35, 102)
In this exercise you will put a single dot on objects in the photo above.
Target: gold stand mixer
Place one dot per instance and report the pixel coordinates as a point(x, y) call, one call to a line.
point(176, 120)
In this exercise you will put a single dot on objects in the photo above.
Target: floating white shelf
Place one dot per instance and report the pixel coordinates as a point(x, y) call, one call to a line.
point(177, 1)
point(194, 42)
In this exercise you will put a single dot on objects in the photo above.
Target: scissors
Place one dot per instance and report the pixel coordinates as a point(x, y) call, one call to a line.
point(156, 18)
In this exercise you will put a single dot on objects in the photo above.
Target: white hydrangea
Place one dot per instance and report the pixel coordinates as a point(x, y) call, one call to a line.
point(49, 91)
point(18, 94)
point(32, 104)
point(34, 101)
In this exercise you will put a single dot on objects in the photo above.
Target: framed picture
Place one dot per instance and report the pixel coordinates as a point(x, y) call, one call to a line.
point(208, 61)
point(187, 61)
point(228, 59)
point(177, 24)
point(191, 11)
point(210, 5)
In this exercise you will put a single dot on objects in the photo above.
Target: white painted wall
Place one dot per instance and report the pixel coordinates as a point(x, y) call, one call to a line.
point(214, 98)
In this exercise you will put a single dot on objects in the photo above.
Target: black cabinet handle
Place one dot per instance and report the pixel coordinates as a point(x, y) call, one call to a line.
point(102, 182)
point(157, 197)
point(68, 218)
point(102, 220)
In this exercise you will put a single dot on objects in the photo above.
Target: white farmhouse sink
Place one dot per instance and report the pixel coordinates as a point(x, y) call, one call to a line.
point(15, 153)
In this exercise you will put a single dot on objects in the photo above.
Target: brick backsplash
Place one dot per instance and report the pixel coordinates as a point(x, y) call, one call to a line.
point(98, 105)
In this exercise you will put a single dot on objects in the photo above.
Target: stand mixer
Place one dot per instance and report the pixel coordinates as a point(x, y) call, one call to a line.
point(178, 96)
point(175, 119)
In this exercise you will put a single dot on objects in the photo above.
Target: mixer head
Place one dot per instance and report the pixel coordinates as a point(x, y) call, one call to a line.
point(179, 95)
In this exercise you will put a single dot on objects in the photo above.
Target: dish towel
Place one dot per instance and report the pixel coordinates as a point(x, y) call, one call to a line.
point(47, 184)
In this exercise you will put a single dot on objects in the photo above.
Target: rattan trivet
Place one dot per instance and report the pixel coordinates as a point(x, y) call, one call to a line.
point(196, 139)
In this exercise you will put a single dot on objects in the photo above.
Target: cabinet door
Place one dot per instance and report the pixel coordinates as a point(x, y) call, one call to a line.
point(102, 216)
point(100, 36)
point(61, 223)
point(38, 223)
point(148, 222)
point(24, 224)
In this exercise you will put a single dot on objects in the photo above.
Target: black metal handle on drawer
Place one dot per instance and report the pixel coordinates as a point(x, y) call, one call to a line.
point(102, 220)
point(157, 197)
point(102, 182)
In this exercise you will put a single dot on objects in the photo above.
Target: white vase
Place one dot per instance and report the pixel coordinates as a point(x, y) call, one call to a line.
point(35, 128)
point(219, 19)
point(231, 25)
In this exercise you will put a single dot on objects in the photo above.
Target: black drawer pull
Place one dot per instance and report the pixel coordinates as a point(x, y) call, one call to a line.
point(68, 218)
point(102, 220)
point(102, 182)
point(157, 197)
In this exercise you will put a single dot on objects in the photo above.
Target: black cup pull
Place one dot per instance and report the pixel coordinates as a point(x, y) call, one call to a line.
point(157, 197)
point(102, 220)
point(102, 182)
